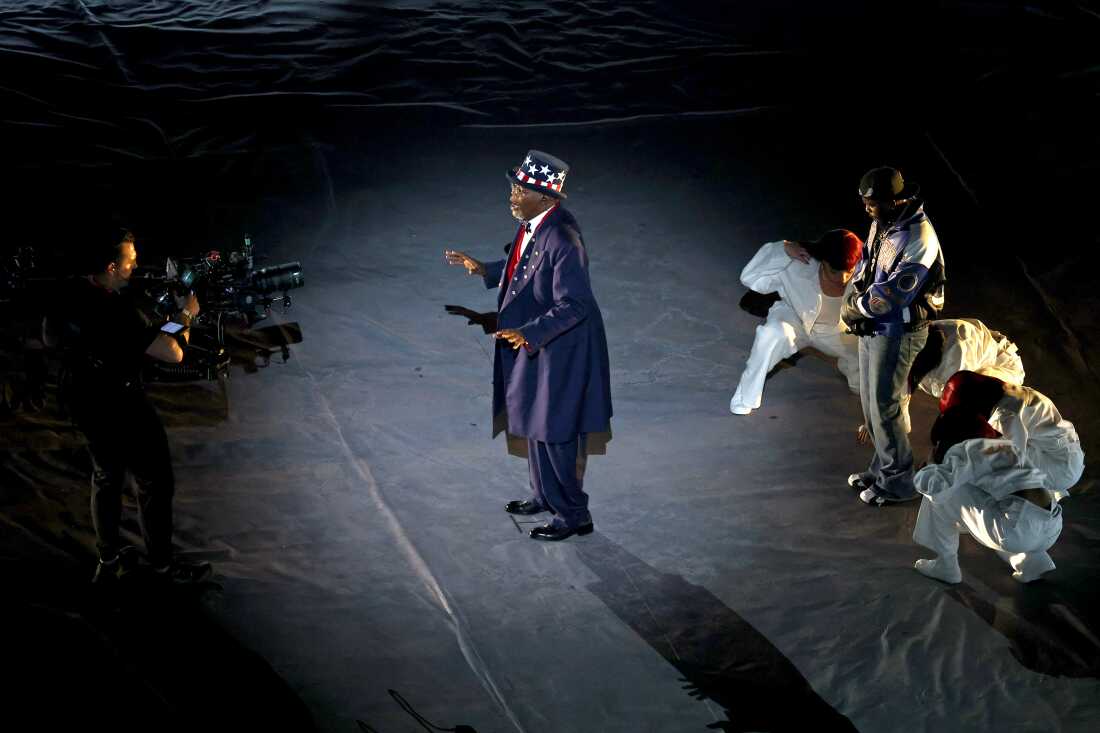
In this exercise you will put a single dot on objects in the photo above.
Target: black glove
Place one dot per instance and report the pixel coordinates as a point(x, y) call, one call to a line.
point(861, 327)
point(852, 318)
point(756, 303)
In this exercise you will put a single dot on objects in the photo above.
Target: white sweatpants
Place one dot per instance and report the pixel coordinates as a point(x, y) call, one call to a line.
point(1063, 463)
point(782, 335)
point(1019, 531)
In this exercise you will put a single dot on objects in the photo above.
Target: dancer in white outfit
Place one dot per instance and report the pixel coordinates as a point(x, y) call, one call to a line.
point(1002, 490)
point(964, 344)
point(811, 280)
point(1024, 416)
point(982, 487)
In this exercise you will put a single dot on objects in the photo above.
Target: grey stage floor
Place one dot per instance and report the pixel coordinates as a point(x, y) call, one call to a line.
point(351, 499)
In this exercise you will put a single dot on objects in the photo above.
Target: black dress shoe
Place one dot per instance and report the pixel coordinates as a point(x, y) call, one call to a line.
point(553, 534)
point(523, 506)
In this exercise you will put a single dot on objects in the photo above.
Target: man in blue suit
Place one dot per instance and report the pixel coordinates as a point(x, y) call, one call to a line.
point(551, 379)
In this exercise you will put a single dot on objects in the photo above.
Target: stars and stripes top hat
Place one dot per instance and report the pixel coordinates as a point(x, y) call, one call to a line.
point(540, 172)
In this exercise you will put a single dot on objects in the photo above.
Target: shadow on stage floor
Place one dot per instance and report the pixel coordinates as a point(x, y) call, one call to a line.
point(720, 655)
point(136, 658)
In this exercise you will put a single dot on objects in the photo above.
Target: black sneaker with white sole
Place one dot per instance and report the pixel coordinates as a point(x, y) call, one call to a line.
point(859, 481)
point(180, 573)
point(115, 569)
point(876, 498)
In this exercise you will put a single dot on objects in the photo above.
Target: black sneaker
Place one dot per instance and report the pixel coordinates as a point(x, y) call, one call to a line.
point(114, 570)
point(106, 573)
point(182, 573)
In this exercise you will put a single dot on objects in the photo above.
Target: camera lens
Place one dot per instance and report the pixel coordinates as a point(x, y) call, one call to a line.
point(278, 278)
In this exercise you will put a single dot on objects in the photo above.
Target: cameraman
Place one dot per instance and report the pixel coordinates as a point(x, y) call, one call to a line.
point(107, 338)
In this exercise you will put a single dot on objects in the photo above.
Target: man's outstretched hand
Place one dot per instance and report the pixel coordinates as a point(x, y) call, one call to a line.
point(455, 257)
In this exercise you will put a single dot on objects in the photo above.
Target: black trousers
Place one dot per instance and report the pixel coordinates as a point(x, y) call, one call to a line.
point(125, 434)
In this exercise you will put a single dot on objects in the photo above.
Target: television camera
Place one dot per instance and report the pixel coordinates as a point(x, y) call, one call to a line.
point(234, 297)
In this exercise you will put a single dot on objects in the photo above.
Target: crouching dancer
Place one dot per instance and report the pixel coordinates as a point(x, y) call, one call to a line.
point(1003, 458)
point(1025, 416)
point(964, 344)
point(811, 281)
point(982, 487)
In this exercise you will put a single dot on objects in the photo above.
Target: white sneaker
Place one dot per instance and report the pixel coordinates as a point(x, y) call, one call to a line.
point(940, 569)
point(874, 498)
point(738, 409)
point(1034, 568)
point(856, 481)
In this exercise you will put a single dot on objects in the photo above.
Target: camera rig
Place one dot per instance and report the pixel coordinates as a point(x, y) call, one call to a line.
point(234, 297)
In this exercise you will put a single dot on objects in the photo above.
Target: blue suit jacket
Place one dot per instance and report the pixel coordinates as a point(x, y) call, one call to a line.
point(559, 385)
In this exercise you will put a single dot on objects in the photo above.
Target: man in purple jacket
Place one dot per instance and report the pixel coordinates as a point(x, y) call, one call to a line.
point(898, 289)
point(551, 379)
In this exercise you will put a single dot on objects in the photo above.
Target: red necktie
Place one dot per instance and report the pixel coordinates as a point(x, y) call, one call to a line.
point(513, 260)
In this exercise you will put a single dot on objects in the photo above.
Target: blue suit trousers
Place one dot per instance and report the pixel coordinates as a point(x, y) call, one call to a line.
point(557, 479)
